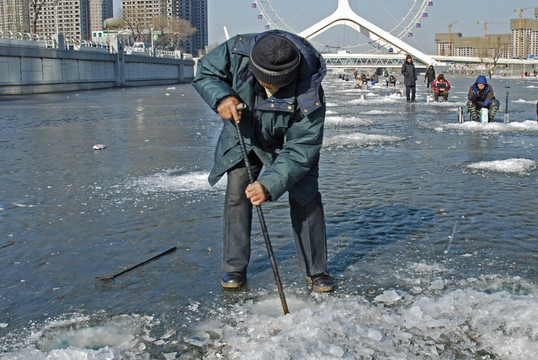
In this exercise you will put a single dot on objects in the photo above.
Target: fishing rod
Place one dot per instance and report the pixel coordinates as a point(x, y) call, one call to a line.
point(506, 119)
point(112, 277)
point(261, 217)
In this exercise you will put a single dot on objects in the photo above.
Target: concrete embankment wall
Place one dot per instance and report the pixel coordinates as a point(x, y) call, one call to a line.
point(28, 67)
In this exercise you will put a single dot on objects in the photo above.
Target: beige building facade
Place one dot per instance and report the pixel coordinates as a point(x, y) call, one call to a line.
point(14, 16)
point(74, 19)
point(522, 42)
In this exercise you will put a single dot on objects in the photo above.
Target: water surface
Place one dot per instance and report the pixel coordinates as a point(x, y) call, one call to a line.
point(431, 224)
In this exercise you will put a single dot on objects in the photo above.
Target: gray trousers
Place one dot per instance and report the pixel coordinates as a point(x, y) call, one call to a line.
point(308, 224)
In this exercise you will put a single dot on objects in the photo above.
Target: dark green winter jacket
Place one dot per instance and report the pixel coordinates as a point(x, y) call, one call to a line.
point(285, 131)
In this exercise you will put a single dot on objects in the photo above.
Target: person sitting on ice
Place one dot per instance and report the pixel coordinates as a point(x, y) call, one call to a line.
point(358, 82)
point(391, 81)
point(440, 87)
point(374, 79)
point(481, 96)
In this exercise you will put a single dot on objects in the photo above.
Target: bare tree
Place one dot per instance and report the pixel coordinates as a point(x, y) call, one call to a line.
point(497, 52)
point(492, 52)
point(173, 31)
point(35, 8)
point(134, 21)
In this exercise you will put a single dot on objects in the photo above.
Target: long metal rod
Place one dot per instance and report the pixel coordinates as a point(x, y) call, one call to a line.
point(137, 265)
point(262, 219)
point(507, 88)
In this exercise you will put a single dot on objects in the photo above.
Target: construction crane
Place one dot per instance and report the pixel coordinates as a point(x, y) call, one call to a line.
point(486, 25)
point(520, 40)
point(450, 38)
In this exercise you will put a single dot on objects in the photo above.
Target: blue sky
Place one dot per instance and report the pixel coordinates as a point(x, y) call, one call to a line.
point(239, 17)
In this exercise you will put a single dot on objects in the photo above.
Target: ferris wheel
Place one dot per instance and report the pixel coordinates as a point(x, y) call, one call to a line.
point(400, 21)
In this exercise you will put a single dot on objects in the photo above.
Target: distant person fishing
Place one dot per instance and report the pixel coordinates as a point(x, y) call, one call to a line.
point(481, 96)
point(441, 87)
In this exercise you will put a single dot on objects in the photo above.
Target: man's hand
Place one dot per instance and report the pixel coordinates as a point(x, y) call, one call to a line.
point(228, 109)
point(256, 193)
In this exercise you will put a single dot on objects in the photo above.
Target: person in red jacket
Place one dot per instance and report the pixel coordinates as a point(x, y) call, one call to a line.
point(441, 87)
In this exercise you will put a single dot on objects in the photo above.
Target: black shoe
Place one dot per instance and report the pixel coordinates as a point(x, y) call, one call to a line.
point(234, 279)
point(321, 282)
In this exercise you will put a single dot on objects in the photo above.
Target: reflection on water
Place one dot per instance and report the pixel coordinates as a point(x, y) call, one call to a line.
point(431, 225)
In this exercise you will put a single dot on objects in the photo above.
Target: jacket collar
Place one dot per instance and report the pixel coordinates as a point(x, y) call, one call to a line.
point(312, 70)
point(283, 100)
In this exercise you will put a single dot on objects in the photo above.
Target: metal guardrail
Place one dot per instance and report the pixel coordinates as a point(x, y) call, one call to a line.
point(12, 35)
point(51, 41)
point(47, 41)
point(84, 45)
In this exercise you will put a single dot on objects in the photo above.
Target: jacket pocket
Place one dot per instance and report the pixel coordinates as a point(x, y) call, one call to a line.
point(227, 140)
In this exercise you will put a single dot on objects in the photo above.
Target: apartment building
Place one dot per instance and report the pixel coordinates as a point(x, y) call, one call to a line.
point(67, 17)
point(521, 42)
point(14, 16)
point(493, 45)
point(144, 10)
point(194, 11)
point(75, 19)
point(525, 36)
point(100, 10)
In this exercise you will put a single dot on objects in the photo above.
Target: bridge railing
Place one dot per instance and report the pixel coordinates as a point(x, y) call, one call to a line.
point(29, 39)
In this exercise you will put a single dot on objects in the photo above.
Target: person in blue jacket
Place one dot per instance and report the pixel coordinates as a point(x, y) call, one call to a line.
point(480, 96)
point(277, 75)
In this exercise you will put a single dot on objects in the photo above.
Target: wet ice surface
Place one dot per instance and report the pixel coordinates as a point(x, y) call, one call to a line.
point(431, 224)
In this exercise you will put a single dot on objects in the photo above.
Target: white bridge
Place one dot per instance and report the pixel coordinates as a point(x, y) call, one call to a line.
point(344, 15)
point(348, 61)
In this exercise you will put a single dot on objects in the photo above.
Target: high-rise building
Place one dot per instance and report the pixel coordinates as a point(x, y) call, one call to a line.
point(194, 11)
point(67, 17)
point(525, 36)
point(75, 19)
point(144, 10)
point(522, 42)
point(492, 45)
point(100, 10)
point(14, 16)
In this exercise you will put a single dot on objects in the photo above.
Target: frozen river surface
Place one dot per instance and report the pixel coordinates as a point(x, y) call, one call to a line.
point(432, 232)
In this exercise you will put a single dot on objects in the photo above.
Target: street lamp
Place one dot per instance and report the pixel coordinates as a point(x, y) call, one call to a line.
point(151, 27)
point(56, 5)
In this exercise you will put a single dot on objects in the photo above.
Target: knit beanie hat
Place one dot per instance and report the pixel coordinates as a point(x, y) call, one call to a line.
point(274, 60)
